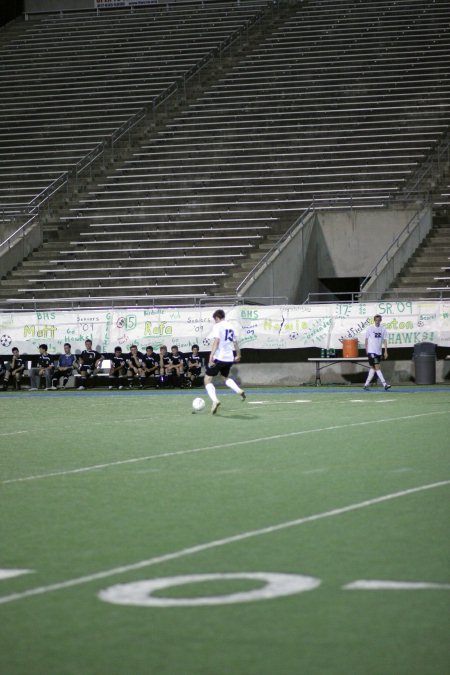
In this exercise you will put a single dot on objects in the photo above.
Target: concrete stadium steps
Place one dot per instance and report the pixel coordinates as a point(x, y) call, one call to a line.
point(424, 274)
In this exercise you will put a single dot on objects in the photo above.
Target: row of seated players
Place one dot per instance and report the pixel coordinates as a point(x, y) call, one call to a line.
point(160, 368)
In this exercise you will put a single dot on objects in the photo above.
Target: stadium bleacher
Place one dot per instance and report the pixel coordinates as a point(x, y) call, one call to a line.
point(336, 105)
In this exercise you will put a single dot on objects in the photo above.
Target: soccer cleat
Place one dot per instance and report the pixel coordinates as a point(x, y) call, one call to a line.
point(32, 389)
point(53, 388)
point(215, 407)
point(366, 388)
point(110, 388)
point(243, 395)
point(121, 386)
point(387, 387)
point(81, 388)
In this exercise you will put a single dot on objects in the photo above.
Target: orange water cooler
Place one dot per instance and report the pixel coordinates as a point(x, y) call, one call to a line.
point(350, 348)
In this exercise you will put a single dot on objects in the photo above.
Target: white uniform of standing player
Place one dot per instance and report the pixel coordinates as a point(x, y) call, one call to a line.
point(376, 341)
point(224, 352)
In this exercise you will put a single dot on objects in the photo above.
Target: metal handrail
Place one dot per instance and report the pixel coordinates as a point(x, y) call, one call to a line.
point(355, 298)
point(15, 235)
point(387, 255)
point(31, 210)
point(426, 168)
point(200, 300)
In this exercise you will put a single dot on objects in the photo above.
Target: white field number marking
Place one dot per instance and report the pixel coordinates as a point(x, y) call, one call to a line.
point(139, 593)
point(379, 585)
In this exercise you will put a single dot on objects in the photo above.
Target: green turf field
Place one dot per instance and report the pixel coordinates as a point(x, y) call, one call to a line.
point(322, 487)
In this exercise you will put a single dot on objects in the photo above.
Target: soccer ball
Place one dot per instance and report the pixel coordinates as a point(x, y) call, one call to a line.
point(5, 340)
point(198, 404)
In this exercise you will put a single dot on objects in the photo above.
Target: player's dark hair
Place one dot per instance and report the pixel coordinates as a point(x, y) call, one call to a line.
point(194, 346)
point(133, 346)
point(378, 316)
point(67, 344)
point(149, 347)
point(174, 347)
point(15, 349)
point(117, 349)
point(43, 347)
point(219, 314)
point(88, 340)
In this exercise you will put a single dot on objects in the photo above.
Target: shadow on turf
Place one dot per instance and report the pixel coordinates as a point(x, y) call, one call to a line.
point(237, 416)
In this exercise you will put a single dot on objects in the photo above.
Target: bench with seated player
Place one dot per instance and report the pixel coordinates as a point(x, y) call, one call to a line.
point(89, 364)
point(135, 368)
point(43, 369)
point(14, 371)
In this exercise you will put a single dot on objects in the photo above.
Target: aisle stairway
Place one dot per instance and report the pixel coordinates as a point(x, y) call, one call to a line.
point(427, 273)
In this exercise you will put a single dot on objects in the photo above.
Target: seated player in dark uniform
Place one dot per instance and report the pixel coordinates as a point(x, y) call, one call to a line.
point(44, 369)
point(89, 362)
point(164, 366)
point(150, 362)
point(194, 365)
point(135, 367)
point(14, 370)
point(178, 366)
point(118, 370)
point(64, 367)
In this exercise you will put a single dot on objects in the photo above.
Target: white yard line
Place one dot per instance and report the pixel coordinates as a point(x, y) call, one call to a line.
point(232, 444)
point(13, 433)
point(217, 543)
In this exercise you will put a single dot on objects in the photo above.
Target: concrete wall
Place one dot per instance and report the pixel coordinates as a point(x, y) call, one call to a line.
point(12, 255)
point(350, 243)
point(399, 372)
point(292, 273)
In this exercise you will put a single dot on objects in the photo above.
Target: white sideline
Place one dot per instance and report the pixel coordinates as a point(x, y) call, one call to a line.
point(232, 444)
point(41, 590)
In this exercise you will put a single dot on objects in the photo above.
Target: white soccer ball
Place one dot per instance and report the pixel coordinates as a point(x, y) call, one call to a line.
point(198, 404)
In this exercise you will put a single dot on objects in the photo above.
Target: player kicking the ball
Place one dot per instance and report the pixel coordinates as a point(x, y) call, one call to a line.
point(224, 352)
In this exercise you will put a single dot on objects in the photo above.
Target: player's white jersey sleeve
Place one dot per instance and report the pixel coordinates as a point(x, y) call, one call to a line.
point(224, 331)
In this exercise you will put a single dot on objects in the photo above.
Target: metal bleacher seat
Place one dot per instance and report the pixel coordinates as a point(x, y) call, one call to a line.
point(67, 82)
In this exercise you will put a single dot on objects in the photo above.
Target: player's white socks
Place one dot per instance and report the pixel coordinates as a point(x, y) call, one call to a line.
point(232, 384)
point(381, 377)
point(370, 375)
point(211, 391)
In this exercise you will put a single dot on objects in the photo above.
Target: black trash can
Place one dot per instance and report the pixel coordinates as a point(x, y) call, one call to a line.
point(424, 358)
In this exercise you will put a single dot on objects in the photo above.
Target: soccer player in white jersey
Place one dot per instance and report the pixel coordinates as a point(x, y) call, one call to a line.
point(224, 352)
point(376, 340)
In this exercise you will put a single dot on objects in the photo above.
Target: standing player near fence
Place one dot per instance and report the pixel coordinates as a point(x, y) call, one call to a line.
point(376, 340)
point(224, 352)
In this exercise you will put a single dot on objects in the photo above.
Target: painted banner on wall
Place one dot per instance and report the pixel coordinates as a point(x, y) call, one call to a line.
point(268, 327)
